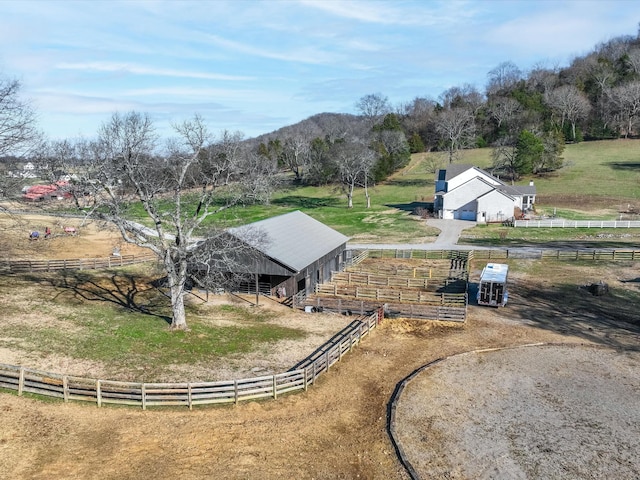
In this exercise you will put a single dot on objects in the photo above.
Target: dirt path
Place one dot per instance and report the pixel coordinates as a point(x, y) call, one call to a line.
point(335, 430)
point(92, 238)
point(525, 412)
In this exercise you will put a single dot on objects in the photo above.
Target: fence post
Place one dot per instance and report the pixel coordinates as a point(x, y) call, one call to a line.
point(327, 360)
point(65, 388)
point(143, 394)
point(305, 382)
point(275, 391)
point(235, 392)
point(21, 382)
point(98, 393)
point(189, 396)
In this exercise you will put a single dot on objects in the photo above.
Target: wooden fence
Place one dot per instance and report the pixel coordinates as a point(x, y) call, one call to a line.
point(591, 254)
point(101, 392)
point(375, 280)
point(418, 254)
point(384, 295)
point(435, 274)
point(555, 223)
point(29, 266)
point(580, 254)
point(351, 306)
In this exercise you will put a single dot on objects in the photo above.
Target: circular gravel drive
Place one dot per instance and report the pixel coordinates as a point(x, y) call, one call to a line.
point(570, 412)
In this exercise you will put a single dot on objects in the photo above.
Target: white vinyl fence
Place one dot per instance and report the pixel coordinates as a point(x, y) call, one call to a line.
point(556, 223)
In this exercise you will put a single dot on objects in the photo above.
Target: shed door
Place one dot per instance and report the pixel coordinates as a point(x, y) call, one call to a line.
point(467, 215)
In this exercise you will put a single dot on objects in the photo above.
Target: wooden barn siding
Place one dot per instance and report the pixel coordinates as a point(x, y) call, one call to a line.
point(326, 263)
point(65, 387)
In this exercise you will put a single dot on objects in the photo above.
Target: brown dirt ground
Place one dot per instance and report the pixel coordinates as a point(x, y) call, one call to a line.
point(335, 430)
point(525, 412)
point(93, 239)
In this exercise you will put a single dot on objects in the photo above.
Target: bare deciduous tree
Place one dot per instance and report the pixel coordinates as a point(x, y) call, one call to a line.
point(17, 120)
point(295, 153)
point(18, 132)
point(503, 78)
point(177, 192)
point(504, 109)
point(373, 107)
point(354, 162)
point(570, 104)
point(456, 127)
point(625, 100)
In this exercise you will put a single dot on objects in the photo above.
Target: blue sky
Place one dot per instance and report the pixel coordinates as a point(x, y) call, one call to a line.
point(255, 66)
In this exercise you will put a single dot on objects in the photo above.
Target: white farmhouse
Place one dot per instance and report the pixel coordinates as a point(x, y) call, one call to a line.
point(465, 192)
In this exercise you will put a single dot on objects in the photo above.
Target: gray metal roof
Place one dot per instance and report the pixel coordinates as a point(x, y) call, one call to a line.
point(455, 169)
point(294, 239)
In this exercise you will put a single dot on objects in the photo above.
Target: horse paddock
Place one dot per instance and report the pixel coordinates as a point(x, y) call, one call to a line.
point(541, 411)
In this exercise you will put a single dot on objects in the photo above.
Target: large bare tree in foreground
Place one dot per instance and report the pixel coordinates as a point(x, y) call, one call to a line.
point(177, 191)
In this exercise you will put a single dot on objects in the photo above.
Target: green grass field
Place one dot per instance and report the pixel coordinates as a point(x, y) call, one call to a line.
point(598, 181)
point(118, 319)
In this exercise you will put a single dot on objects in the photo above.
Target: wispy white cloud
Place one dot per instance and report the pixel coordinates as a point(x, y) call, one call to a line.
point(260, 64)
point(298, 54)
point(141, 70)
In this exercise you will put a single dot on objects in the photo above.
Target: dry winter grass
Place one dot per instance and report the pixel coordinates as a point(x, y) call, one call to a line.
point(338, 428)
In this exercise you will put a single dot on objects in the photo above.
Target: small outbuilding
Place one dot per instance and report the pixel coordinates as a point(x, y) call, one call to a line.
point(296, 252)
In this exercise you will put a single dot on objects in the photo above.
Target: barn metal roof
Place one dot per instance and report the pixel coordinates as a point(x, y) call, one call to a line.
point(294, 239)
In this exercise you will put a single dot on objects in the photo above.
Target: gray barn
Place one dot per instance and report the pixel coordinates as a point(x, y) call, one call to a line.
point(299, 253)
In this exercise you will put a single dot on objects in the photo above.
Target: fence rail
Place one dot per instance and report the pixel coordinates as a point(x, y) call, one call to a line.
point(376, 280)
point(433, 274)
point(418, 254)
point(578, 254)
point(29, 266)
point(384, 295)
point(65, 387)
point(554, 223)
point(349, 306)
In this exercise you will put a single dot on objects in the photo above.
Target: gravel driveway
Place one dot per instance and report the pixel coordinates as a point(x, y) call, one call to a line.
point(450, 231)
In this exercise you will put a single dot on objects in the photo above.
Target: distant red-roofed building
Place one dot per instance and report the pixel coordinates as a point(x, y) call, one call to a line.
point(39, 193)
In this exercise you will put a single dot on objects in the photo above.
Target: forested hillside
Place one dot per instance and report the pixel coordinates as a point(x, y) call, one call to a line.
point(526, 116)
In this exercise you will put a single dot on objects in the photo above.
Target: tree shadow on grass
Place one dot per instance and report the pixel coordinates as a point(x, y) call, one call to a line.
point(409, 182)
point(610, 320)
point(118, 288)
point(625, 165)
point(298, 201)
point(411, 207)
